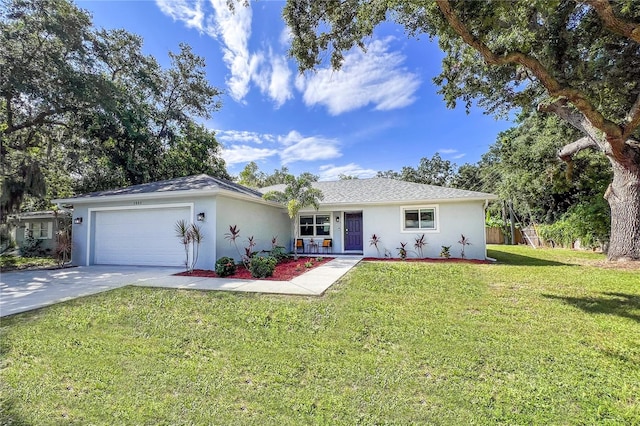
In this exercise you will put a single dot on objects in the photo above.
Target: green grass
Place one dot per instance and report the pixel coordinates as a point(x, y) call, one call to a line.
point(541, 337)
point(10, 262)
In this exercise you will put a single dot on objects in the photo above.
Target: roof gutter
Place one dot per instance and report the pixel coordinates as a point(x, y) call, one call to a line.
point(158, 195)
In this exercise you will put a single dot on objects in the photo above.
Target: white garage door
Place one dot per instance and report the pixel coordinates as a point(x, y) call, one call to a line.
point(139, 237)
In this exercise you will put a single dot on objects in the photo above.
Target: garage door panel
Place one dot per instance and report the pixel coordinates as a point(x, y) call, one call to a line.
point(139, 237)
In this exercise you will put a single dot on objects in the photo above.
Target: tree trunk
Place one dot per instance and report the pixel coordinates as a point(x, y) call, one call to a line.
point(623, 196)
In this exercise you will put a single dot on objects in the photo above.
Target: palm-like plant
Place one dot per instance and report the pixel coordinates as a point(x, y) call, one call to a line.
point(298, 194)
point(189, 234)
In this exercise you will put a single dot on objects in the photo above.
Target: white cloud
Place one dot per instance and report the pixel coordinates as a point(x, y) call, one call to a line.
point(450, 152)
point(233, 29)
point(285, 37)
point(331, 172)
point(376, 77)
point(245, 153)
point(243, 136)
point(189, 12)
point(299, 148)
point(273, 77)
point(240, 147)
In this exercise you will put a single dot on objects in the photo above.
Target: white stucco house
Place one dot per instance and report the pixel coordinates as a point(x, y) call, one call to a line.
point(136, 225)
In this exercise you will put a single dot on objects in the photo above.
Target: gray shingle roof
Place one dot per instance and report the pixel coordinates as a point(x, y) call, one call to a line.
point(188, 183)
point(381, 190)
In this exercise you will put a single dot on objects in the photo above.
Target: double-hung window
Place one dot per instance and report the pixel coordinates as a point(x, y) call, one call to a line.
point(38, 230)
point(419, 218)
point(315, 225)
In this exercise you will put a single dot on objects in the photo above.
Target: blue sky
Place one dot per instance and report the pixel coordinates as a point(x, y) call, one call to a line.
point(380, 112)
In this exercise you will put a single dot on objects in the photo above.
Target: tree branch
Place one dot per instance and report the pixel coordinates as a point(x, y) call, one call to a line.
point(554, 88)
point(568, 151)
point(37, 120)
point(632, 119)
point(619, 26)
point(573, 117)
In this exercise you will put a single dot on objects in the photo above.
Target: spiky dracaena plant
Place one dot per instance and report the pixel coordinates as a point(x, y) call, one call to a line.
point(248, 252)
point(232, 236)
point(402, 251)
point(63, 246)
point(420, 243)
point(196, 240)
point(189, 235)
point(464, 241)
point(374, 241)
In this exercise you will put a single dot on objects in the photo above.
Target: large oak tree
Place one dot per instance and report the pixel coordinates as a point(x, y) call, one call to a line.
point(85, 109)
point(579, 60)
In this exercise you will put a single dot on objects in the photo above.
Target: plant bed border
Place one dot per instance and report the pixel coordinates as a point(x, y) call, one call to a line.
point(429, 260)
point(291, 271)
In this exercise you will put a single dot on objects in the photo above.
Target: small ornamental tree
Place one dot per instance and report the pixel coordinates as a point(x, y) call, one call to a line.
point(190, 236)
point(298, 194)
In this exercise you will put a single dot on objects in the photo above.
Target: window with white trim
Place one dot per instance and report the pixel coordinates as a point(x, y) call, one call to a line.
point(315, 225)
point(38, 230)
point(419, 218)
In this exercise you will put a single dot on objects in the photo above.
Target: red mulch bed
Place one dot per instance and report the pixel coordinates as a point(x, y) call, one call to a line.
point(429, 260)
point(285, 271)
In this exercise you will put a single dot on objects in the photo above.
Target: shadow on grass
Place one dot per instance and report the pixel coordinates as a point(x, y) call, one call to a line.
point(618, 304)
point(519, 260)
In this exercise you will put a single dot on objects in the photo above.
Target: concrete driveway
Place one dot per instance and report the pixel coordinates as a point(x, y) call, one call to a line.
point(22, 291)
point(25, 290)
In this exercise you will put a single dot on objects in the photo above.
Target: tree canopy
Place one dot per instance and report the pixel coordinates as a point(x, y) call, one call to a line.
point(84, 109)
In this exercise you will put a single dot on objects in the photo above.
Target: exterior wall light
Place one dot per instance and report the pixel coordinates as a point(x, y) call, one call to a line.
point(200, 217)
point(337, 218)
point(78, 220)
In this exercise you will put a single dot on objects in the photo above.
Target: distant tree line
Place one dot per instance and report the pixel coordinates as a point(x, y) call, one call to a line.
point(522, 167)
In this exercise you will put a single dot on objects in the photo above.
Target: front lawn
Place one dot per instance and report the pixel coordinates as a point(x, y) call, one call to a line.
point(542, 337)
point(11, 262)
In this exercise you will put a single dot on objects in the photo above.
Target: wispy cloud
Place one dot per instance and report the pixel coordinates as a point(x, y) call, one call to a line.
point(300, 148)
point(189, 12)
point(233, 29)
point(331, 172)
point(269, 71)
point(234, 136)
point(273, 76)
point(243, 146)
point(236, 154)
point(376, 77)
point(447, 151)
point(450, 151)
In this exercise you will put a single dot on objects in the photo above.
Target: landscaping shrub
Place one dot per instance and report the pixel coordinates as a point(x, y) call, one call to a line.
point(32, 247)
point(225, 266)
point(262, 267)
point(279, 253)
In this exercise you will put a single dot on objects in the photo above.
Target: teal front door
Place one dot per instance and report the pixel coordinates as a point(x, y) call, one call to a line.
point(353, 231)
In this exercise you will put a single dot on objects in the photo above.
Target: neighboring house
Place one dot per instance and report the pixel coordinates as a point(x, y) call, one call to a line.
point(41, 226)
point(136, 225)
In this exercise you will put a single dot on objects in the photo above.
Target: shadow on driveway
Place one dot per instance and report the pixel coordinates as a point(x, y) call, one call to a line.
point(25, 290)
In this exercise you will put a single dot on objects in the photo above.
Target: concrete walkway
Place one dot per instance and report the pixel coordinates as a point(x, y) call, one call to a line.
point(22, 291)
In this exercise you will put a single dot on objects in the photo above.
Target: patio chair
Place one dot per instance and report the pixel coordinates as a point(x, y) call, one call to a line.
point(327, 245)
point(300, 245)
